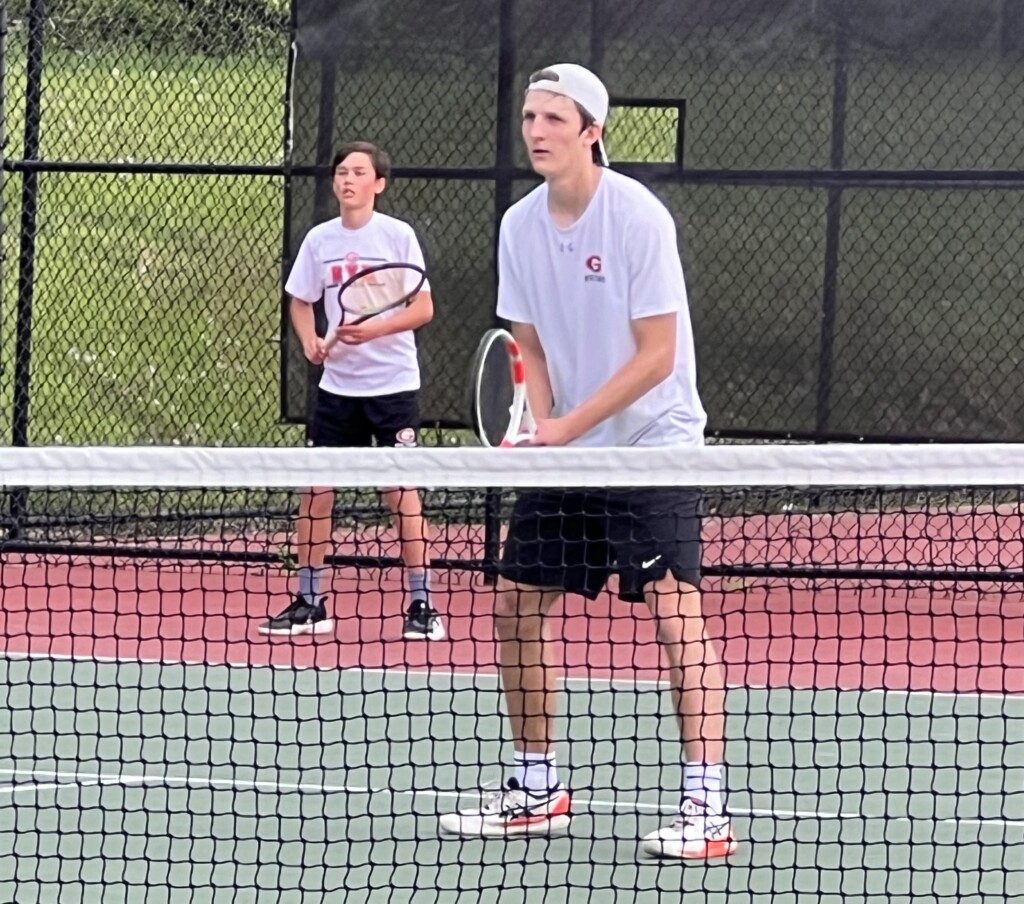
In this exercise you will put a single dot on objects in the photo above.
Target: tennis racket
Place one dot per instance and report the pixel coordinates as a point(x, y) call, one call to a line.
point(499, 409)
point(374, 290)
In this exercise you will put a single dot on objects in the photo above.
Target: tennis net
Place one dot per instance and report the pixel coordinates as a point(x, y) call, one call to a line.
point(867, 602)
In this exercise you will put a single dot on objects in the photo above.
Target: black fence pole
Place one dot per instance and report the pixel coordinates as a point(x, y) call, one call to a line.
point(598, 17)
point(27, 238)
point(288, 200)
point(20, 416)
point(323, 197)
point(833, 225)
point(503, 185)
point(3, 158)
point(504, 161)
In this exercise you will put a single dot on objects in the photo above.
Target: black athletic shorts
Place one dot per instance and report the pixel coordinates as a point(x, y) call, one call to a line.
point(388, 420)
point(573, 540)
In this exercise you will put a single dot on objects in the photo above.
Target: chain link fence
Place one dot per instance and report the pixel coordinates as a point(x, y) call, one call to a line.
point(845, 175)
point(143, 193)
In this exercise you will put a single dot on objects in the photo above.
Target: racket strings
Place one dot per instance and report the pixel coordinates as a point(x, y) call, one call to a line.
point(377, 290)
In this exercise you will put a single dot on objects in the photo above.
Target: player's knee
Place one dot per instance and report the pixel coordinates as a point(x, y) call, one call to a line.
point(676, 606)
point(506, 602)
point(319, 503)
point(516, 609)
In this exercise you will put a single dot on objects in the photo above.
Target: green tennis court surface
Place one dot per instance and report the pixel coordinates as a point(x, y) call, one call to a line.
point(125, 781)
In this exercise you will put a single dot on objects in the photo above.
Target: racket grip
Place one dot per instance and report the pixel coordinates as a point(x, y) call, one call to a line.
point(520, 439)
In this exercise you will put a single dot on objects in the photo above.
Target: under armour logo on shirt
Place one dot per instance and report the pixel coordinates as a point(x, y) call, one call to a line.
point(565, 246)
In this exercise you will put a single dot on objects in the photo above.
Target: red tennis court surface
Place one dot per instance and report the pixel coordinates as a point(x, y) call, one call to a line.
point(790, 633)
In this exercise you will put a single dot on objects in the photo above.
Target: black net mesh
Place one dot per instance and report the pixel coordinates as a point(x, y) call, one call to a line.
point(175, 724)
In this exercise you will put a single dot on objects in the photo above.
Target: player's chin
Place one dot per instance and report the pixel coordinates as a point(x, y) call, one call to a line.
point(542, 164)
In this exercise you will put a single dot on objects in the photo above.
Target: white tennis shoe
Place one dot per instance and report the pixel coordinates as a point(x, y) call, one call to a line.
point(696, 834)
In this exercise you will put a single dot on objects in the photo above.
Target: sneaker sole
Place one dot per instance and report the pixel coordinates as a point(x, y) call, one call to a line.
point(436, 633)
point(320, 627)
point(713, 850)
point(556, 825)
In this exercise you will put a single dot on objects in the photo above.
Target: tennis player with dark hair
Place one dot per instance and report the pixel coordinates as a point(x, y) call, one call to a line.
point(368, 392)
point(591, 281)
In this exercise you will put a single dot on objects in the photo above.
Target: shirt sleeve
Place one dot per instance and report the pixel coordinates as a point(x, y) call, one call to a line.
point(305, 282)
point(656, 283)
point(512, 300)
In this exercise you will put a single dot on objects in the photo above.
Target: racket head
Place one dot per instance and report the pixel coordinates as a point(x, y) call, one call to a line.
point(374, 290)
point(498, 390)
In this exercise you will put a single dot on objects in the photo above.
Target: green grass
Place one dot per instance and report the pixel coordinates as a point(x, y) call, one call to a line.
point(156, 306)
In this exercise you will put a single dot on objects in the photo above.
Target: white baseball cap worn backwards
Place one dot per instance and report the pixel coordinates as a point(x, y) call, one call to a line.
point(578, 84)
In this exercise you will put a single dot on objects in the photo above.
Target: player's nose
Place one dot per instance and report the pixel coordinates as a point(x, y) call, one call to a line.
point(534, 129)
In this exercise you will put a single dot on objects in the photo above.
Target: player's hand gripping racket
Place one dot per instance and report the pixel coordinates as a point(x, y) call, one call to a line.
point(373, 291)
point(500, 412)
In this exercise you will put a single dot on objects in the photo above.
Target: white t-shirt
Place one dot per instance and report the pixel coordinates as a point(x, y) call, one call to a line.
point(580, 287)
point(381, 366)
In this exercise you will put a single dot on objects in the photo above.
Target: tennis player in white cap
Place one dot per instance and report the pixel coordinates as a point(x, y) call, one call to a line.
point(591, 281)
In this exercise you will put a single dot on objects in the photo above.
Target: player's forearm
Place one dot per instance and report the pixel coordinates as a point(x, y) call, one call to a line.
point(637, 377)
point(411, 317)
point(303, 321)
point(538, 390)
point(538, 383)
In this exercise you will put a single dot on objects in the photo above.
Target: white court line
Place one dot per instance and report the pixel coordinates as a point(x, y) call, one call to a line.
point(33, 786)
point(75, 779)
point(625, 683)
point(983, 822)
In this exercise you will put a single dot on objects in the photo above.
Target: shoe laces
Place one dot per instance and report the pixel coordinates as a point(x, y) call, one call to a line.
point(691, 811)
point(499, 798)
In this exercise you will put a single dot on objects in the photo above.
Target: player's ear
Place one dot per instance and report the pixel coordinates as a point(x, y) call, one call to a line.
point(594, 133)
point(380, 185)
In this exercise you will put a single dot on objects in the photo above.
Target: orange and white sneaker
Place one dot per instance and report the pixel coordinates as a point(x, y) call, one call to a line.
point(696, 834)
point(513, 810)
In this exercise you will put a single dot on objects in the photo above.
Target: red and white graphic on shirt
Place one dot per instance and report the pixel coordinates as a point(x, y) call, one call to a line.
point(351, 264)
point(594, 263)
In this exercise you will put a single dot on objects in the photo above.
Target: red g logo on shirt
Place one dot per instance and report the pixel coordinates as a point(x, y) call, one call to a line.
point(594, 263)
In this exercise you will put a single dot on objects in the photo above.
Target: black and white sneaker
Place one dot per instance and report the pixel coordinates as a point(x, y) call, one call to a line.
point(422, 622)
point(512, 810)
point(301, 617)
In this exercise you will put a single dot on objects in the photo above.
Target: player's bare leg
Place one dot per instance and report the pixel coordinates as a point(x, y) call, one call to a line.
point(307, 613)
point(702, 829)
point(528, 672)
point(532, 801)
point(422, 621)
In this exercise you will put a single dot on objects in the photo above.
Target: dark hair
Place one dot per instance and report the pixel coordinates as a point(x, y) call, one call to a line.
point(588, 121)
point(378, 157)
point(549, 75)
